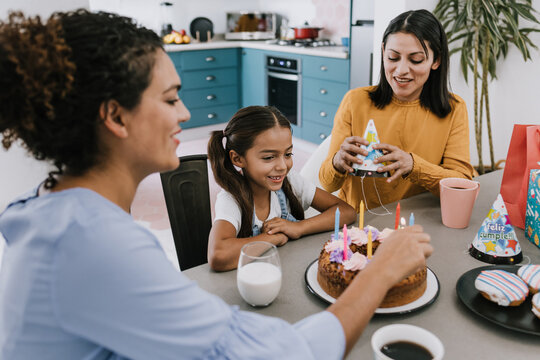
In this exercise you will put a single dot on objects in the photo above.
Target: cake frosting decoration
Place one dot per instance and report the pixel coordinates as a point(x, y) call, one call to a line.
point(374, 232)
point(333, 246)
point(358, 236)
point(356, 262)
point(337, 255)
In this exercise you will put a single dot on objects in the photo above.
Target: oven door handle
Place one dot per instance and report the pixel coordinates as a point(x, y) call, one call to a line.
point(292, 77)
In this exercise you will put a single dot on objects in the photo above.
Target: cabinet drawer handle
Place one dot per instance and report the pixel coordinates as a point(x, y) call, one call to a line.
point(324, 91)
point(210, 78)
point(323, 68)
point(212, 115)
point(210, 59)
point(210, 97)
point(323, 114)
point(322, 136)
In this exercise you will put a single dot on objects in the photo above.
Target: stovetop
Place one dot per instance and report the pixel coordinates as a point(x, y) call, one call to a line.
point(305, 43)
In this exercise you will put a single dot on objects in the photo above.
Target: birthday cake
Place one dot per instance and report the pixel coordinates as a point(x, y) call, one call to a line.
point(335, 274)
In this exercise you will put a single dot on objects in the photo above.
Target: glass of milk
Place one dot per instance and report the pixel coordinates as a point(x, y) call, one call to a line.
point(259, 273)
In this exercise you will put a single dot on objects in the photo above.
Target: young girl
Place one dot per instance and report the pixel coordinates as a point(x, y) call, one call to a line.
point(264, 200)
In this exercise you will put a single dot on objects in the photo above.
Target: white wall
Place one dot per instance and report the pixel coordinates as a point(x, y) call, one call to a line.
point(40, 7)
point(513, 96)
point(180, 15)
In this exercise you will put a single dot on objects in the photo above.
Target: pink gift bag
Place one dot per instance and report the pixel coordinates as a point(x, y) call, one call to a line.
point(523, 155)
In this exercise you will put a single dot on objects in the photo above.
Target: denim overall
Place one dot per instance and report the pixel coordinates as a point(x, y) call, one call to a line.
point(284, 212)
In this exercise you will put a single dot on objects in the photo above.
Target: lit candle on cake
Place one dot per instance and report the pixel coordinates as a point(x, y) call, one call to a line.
point(411, 219)
point(336, 226)
point(369, 245)
point(403, 223)
point(361, 221)
point(345, 247)
point(397, 216)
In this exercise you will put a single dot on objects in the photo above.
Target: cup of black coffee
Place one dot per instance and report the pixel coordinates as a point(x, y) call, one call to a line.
point(404, 342)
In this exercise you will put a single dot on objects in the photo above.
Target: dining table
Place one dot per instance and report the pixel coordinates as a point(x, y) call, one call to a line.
point(464, 333)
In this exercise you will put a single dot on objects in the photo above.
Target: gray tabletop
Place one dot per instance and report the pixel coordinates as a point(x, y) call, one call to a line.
point(464, 334)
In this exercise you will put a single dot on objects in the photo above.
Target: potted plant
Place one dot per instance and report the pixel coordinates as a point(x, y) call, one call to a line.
point(482, 31)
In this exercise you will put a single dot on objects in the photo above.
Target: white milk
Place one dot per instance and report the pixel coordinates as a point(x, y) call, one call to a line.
point(259, 283)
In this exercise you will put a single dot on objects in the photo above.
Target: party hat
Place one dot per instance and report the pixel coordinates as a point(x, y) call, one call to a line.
point(368, 168)
point(496, 241)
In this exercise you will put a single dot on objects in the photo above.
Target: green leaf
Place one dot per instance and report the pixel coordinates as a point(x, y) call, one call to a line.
point(488, 7)
point(493, 28)
point(525, 12)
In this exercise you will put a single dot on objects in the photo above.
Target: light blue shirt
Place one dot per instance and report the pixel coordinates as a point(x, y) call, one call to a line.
point(81, 280)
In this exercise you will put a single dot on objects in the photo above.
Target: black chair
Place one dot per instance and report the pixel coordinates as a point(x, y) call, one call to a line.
point(188, 204)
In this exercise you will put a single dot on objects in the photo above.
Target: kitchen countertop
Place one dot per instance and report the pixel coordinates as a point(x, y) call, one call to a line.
point(339, 52)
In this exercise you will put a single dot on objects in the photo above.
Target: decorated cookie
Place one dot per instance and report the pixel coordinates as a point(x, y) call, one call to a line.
point(536, 305)
point(531, 275)
point(501, 287)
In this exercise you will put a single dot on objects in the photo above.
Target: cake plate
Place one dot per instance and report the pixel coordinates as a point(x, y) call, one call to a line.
point(429, 296)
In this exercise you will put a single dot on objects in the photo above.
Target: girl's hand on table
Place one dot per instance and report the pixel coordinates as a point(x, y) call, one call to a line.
point(406, 250)
point(400, 161)
point(278, 239)
point(346, 155)
point(292, 229)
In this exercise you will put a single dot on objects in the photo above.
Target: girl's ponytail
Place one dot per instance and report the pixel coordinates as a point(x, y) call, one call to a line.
point(296, 208)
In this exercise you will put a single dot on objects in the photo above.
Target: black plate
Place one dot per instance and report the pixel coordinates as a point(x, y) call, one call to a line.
point(202, 25)
point(519, 318)
point(429, 296)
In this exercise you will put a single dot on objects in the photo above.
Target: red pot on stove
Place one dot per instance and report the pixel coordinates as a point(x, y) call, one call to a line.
point(306, 32)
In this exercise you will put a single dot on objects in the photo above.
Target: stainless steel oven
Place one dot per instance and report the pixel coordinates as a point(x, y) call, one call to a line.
point(283, 76)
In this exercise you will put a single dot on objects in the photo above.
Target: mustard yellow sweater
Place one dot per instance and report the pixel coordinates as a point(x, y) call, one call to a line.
point(439, 147)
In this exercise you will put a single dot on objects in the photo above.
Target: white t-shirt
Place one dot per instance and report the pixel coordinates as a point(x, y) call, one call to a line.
point(227, 209)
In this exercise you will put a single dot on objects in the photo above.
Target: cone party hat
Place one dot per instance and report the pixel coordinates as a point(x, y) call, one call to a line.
point(368, 168)
point(496, 241)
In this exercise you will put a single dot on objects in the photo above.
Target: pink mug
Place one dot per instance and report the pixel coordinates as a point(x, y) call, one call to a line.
point(457, 200)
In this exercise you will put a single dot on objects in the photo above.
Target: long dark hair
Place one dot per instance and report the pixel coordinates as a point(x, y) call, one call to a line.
point(425, 26)
point(55, 74)
point(239, 134)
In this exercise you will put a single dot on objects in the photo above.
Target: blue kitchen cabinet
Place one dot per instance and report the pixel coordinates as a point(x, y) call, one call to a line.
point(209, 59)
point(210, 84)
point(253, 77)
point(209, 78)
point(324, 83)
point(217, 82)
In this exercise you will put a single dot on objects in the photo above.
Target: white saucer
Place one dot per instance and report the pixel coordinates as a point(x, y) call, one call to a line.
point(429, 296)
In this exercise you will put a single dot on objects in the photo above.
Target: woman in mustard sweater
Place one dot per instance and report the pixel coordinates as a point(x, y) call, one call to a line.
point(423, 129)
